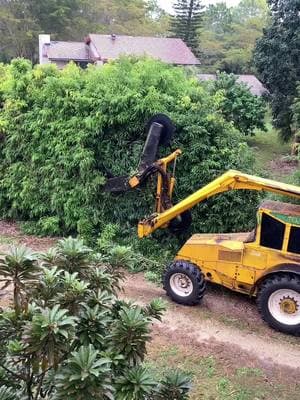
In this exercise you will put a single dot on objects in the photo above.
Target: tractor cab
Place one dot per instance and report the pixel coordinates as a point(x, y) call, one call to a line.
point(279, 226)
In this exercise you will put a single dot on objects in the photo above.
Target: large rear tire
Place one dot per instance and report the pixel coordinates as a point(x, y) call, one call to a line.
point(184, 283)
point(278, 301)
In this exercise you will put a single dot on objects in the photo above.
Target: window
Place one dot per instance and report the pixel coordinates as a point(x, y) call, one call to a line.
point(272, 232)
point(294, 240)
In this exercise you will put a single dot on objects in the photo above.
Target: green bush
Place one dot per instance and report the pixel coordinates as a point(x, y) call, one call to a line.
point(68, 336)
point(246, 111)
point(64, 129)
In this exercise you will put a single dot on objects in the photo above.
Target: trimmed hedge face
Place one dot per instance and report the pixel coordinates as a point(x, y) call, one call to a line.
point(64, 128)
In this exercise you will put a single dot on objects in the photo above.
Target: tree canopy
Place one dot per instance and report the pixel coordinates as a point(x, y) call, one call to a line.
point(277, 59)
point(229, 34)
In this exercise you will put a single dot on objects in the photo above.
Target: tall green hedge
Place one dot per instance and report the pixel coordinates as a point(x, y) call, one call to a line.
point(64, 128)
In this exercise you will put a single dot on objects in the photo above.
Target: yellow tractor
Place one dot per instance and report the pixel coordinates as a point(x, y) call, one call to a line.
point(264, 263)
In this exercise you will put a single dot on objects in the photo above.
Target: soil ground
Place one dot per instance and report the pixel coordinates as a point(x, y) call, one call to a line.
point(272, 156)
point(224, 345)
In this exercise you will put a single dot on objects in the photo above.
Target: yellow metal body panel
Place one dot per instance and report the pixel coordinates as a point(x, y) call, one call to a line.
point(232, 261)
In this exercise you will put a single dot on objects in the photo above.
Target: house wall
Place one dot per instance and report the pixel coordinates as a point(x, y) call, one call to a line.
point(44, 41)
point(60, 64)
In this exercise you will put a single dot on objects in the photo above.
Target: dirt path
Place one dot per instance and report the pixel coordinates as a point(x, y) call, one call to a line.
point(225, 322)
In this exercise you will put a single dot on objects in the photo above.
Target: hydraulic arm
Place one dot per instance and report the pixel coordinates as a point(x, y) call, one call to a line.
point(231, 180)
point(160, 132)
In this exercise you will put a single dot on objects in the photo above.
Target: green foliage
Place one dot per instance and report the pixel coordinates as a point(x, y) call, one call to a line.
point(17, 266)
point(176, 386)
point(6, 393)
point(296, 112)
point(244, 110)
point(65, 129)
point(152, 277)
point(130, 334)
point(155, 309)
point(137, 383)
point(229, 34)
point(48, 335)
point(129, 256)
point(277, 56)
point(72, 253)
point(74, 339)
point(187, 21)
point(86, 375)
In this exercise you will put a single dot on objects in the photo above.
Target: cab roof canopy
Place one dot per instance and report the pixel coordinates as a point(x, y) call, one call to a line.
point(286, 212)
point(280, 207)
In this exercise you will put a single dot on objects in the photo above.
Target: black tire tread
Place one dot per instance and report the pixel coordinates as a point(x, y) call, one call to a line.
point(194, 272)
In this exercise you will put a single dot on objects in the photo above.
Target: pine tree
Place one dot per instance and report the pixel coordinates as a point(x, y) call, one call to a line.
point(187, 21)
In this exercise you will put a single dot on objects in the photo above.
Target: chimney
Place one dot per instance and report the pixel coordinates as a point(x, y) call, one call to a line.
point(44, 43)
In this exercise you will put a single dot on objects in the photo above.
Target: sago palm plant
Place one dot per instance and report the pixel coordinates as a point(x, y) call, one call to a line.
point(18, 267)
point(135, 384)
point(175, 386)
point(73, 256)
point(130, 334)
point(49, 336)
point(85, 376)
point(93, 326)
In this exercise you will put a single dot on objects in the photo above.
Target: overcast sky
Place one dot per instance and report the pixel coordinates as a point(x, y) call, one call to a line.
point(167, 4)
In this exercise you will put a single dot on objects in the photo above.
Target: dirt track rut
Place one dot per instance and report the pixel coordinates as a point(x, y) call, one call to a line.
point(208, 325)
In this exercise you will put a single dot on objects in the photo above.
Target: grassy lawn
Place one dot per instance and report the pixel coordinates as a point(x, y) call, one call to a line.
point(268, 147)
point(218, 379)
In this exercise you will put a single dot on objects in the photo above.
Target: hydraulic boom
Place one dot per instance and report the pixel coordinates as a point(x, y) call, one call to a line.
point(231, 180)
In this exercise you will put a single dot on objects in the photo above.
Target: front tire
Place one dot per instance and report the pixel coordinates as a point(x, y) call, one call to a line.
point(278, 301)
point(184, 283)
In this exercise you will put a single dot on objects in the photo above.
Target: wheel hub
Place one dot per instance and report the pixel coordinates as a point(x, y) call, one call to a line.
point(289, 305)
point(183, 281)
point(181, 284)
point(284, 306)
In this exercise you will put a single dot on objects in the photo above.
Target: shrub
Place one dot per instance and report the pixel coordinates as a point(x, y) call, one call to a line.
point(65, 129)
point(239, 105)
point(70, 337)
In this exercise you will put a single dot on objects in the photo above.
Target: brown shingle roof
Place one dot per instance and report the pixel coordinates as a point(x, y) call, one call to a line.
point(169, 50)
point(77, 51)
point(255, 86)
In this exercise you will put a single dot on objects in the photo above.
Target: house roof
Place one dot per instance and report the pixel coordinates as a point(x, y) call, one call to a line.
point(169, 50)
point(255, 86)
point(77, 51)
